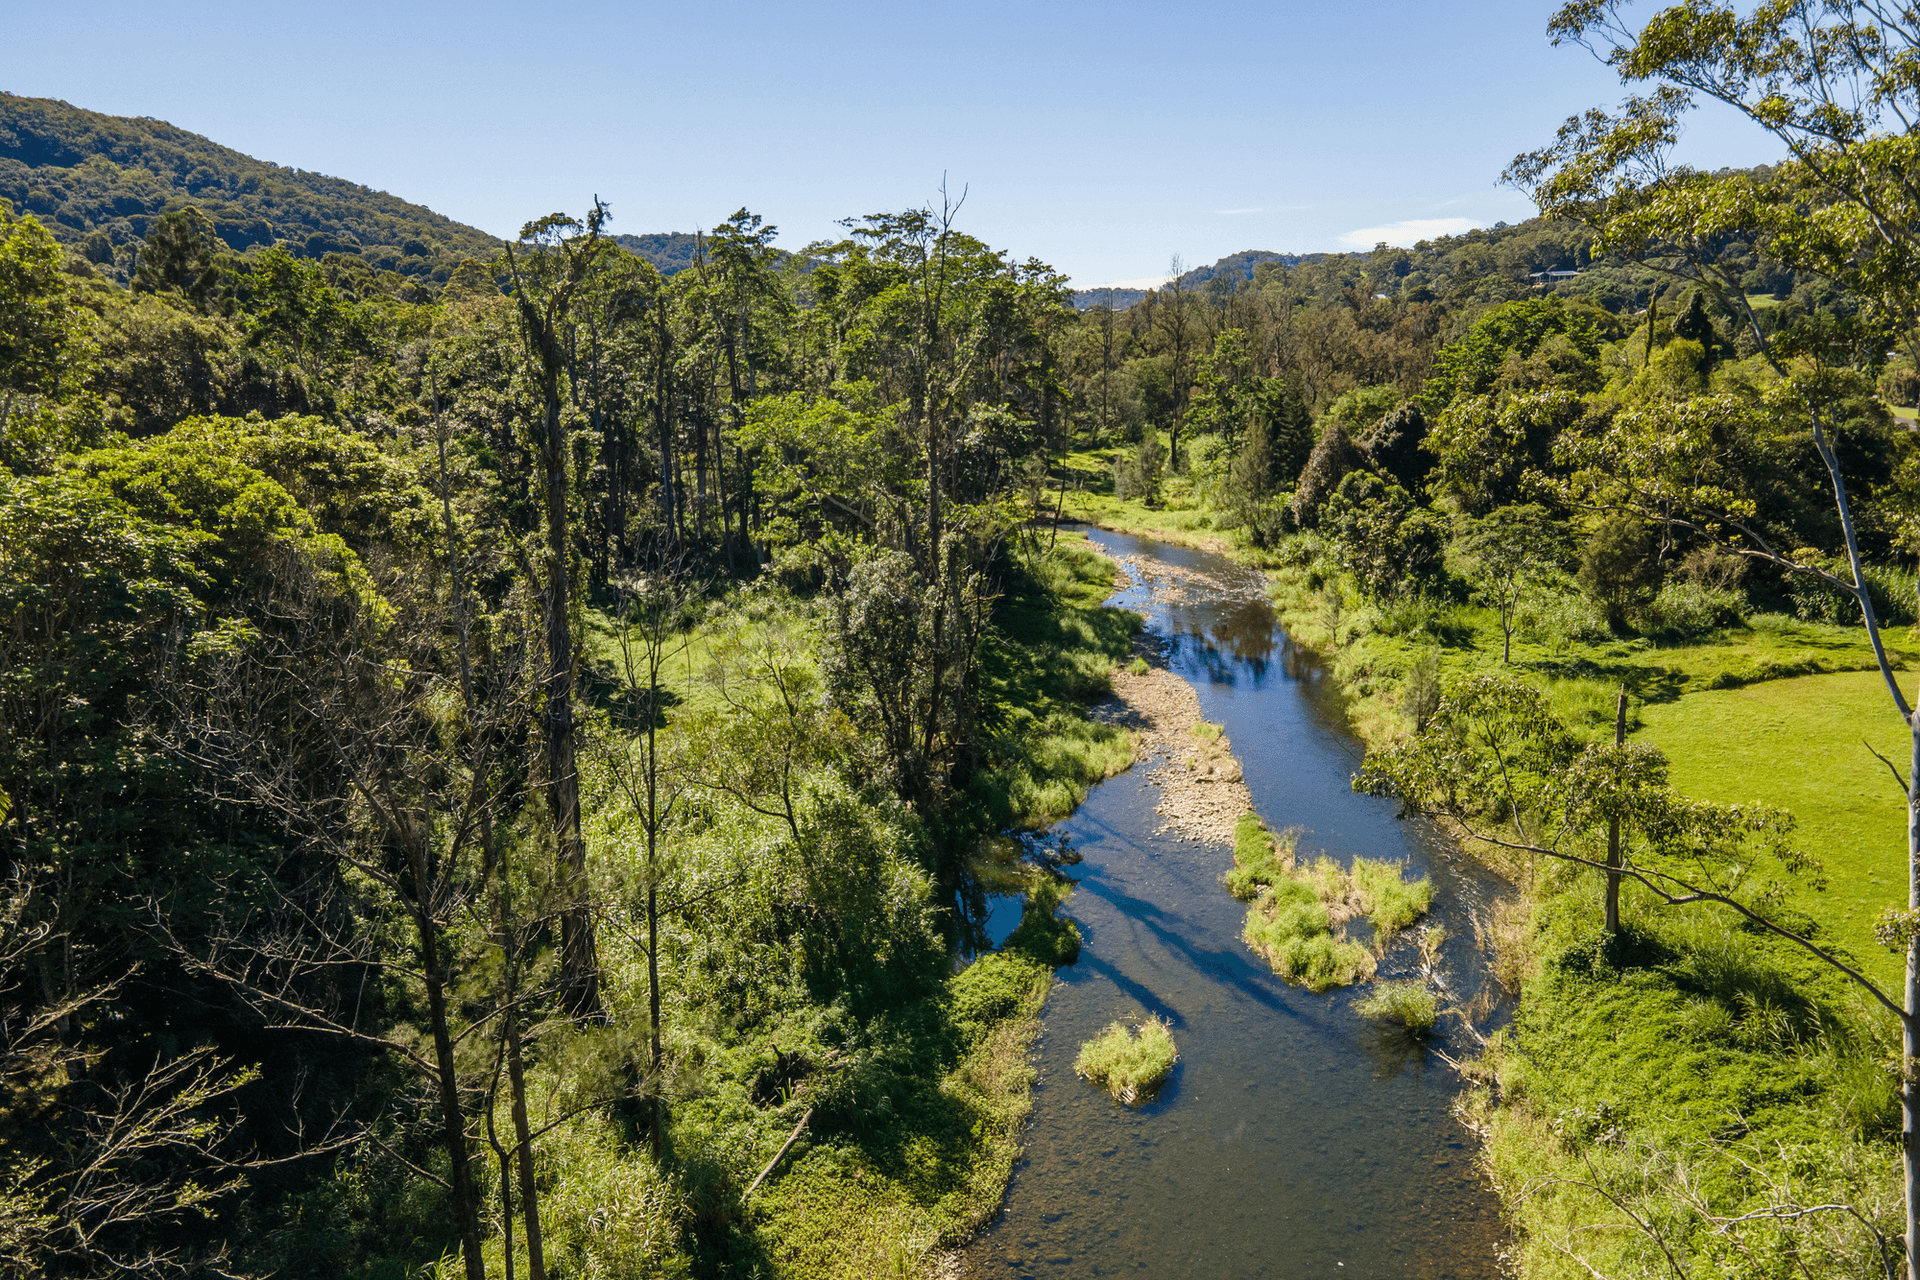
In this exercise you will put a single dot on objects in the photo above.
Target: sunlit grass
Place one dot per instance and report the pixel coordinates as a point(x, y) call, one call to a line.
point(1408, 1004)
point(1802, 745)
point(1296, 912)
point(1129, 1064)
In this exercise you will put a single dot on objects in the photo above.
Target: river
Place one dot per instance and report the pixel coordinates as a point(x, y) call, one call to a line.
point(1295, 1139)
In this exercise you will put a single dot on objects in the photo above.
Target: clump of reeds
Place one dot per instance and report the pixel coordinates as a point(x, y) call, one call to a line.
point(1299, 910)
point(1129, 1064)
point(1409, 1004)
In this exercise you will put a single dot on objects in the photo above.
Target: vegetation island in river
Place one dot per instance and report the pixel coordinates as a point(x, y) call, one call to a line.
point(508, 745)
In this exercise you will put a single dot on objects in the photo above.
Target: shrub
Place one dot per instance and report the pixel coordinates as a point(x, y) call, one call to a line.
point(1301, 949)
point(995, 987)
point(1393, 903)
point(1138, 476)
point(1892, 591)
point(1129, 1065)
point(1420, 691)
point(1617, 567)
point(1409, 1004)
point(1683, 610)
point(1557, 619)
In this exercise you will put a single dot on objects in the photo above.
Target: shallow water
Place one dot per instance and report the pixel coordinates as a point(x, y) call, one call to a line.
point(1294, 1139)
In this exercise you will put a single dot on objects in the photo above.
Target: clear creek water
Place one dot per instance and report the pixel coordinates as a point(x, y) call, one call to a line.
point(1295, 1140)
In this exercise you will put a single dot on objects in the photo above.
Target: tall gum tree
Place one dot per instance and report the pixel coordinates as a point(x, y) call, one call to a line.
point(1837, 85)
point(557, 255)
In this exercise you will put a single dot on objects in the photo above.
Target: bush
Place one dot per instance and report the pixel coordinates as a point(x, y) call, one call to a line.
point(1557, 619)
point(1618, 570)
point(1041, 935)
point(1892, 591)
point(1409, 1004)
point(1684, 610)
point(995, 987)
point(1420, 691)
point(1129, 1065)
point(1393, 903)
point(1298, 944)
point(1138, 476)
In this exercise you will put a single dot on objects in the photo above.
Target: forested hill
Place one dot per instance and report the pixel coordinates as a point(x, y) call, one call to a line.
point(1236, 267)
point(99, 181)
point(1482, 263)
point(668, 251)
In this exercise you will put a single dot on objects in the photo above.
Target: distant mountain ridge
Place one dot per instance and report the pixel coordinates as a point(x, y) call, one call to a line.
point(1235, 266)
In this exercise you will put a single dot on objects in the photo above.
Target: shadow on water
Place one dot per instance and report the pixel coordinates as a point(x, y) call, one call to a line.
point(1295, 1139)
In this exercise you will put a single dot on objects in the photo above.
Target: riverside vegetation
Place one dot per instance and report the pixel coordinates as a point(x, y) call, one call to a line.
point(497, 777)
point(502, 757)
point(1129, 1063)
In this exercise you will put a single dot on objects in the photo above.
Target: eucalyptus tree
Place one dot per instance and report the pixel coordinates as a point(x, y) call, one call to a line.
point(1834, 84)
point(556, 257)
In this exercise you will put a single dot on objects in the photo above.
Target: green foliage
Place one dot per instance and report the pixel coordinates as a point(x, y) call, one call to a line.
point(1130, 1064)
point(997, 986)
point(1042, 935)
point(1391, 546)
point(1292, 918)
point(114, 177)
point(1685, 610)
point(1392, 902)
point(1619, 568)
point(1508, 334)
point(1409, 1004)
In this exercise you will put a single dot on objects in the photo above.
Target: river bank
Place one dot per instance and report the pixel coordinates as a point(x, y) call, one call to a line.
point(1294, 1138)
point(1605, 1108)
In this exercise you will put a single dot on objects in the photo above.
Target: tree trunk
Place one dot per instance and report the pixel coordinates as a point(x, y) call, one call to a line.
point(453, 1123)
point(1909, 1094)
point(523, 1148)
point(580, 965)
point(1613, 824)
point(656, 1131)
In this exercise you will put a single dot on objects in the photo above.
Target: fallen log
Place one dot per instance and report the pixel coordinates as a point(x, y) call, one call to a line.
point(784, 1148)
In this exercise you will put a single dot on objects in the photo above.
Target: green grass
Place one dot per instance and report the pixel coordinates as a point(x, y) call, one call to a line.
point(1052, 650)
point(931, 1164)
point(1685, 1047)
point(1297, 911)
point(1409, 1004)
point(1129, 1064)
point(1801, 745)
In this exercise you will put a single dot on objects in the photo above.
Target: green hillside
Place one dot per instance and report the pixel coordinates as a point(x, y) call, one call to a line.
point(98, 181)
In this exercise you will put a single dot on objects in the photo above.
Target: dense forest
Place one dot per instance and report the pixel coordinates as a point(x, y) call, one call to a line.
point(502, 739)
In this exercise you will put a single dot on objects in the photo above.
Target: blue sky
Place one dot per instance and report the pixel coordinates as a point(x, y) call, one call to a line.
point(1102, 138)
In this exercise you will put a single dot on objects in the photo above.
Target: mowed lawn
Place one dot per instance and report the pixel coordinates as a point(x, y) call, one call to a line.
point(1800, 744)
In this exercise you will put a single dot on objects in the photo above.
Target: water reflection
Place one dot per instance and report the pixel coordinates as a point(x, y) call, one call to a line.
point(1295, 1139)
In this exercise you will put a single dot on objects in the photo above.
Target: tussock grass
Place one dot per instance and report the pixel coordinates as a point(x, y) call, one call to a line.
point(1409, 1004)
point(1298, 912)
point(1129, 1064)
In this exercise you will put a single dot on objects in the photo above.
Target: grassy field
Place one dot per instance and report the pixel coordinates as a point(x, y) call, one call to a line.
point(1800, 744)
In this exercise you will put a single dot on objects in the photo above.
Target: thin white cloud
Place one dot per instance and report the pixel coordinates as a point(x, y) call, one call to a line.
point(1402, 234)
point(1262, 208)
